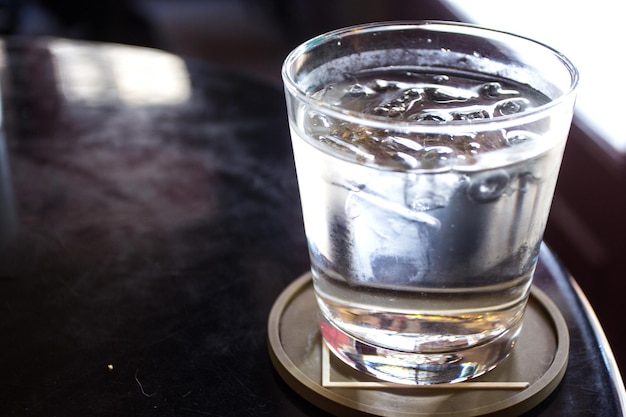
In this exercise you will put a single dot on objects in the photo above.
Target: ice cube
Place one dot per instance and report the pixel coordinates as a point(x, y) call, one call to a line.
point(434, 157)
point(444, 94)
point(399, 142)
point(386, 229)
point(495, 90)
point(510, 106)
point(424, 192)
point(399, 104)
point(518, 137)
point(441, 78)
point(381, 85)
point(435, 116)
point(487, 141)
point(365, 198)
point(470, 113)
point(361, 155)
point(405, 160)
point(359, 90)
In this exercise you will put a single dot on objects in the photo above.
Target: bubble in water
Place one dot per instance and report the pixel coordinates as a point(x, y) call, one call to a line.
point(488, 186)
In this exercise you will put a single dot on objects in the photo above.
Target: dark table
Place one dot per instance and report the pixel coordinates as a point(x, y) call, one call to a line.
point(149, 220)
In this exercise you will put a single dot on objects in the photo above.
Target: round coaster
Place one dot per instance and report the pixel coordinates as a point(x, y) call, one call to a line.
point(532, 371)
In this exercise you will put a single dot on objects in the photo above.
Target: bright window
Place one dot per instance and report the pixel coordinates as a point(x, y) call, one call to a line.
point(591, 37)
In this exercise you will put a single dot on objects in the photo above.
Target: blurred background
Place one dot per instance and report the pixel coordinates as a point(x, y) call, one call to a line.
point(249, 35)
point(587, 227)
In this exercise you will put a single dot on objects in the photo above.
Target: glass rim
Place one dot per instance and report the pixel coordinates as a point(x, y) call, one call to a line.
point(382, 122)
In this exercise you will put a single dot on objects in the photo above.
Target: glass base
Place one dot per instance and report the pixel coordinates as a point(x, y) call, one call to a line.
point(418, 368)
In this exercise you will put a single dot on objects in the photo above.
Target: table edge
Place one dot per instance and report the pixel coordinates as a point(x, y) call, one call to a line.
point(603, 344)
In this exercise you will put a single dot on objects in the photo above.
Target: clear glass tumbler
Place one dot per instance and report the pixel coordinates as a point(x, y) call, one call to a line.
point(427, 155)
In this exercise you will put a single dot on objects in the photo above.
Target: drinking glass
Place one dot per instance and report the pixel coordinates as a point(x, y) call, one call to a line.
point(427, 155)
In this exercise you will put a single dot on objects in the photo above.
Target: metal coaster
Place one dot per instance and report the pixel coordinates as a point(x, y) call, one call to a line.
point(532, 371)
